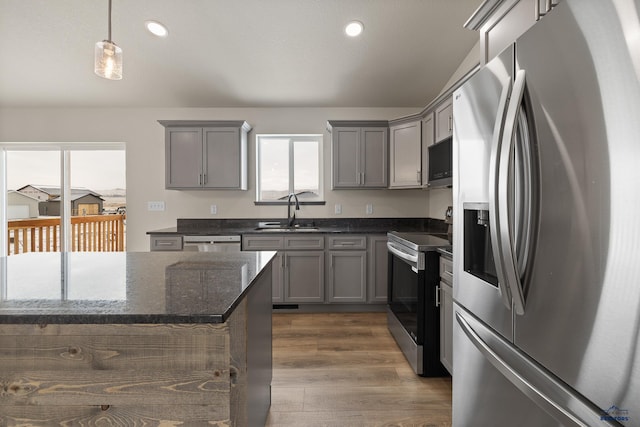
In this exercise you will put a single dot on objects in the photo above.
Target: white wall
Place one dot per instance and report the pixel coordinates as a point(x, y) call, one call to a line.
point(468, 63)
point(144, 137)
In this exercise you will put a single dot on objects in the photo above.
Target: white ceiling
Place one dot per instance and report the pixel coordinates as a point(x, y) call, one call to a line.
point(233, 53)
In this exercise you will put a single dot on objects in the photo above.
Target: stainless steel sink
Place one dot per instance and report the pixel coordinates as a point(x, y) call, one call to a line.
point(286, 229)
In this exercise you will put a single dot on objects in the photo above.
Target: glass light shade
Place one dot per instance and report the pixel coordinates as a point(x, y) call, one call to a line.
point(108, 60)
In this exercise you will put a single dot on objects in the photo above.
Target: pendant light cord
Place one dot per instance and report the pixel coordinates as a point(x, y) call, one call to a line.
point(110, 22)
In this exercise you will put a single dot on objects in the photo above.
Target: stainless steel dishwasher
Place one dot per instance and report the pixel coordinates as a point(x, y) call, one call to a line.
point(211, 243)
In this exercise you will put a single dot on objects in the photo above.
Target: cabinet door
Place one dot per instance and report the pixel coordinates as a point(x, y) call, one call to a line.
point(347, 281)
point(304, 276)
point(428, 138)
point(446, 326)
point(378, 269)
point(375, 164)
point(183, 158)
point(277, 278)
point(224, 157)
point(345, 157)
point(405, 156)
point(444, 120)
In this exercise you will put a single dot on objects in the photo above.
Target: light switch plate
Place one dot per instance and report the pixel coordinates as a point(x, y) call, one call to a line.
point(338, 209)
point(214, 209)
point(369, 209)
point(155, 206)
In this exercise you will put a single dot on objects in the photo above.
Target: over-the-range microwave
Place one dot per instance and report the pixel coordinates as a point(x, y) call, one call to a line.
point(440, 164)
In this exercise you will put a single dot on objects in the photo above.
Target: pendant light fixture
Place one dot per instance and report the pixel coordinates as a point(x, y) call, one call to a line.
point(108, 57)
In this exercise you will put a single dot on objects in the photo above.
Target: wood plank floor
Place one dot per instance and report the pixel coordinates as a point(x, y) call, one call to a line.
point(345, 369)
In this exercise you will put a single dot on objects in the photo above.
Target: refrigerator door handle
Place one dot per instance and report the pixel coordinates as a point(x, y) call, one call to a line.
point(540, 386)
point(493, 190)
point(507, 246)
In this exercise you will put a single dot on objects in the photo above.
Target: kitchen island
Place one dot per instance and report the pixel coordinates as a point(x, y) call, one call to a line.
point(135, 339)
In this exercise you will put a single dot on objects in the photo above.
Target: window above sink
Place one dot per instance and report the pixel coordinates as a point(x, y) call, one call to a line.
point(289, 164)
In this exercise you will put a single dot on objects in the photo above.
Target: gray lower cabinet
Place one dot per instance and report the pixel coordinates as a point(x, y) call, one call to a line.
point(205, 154)
point(347, 268)
point(351, 269)
point(165, 243)
point(251, 242)
point(446, 313)
point(277, 278)
point(304, 276)
point(298, 270)
point(378, 259)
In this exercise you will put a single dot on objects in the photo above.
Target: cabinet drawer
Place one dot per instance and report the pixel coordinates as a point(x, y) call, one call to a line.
point(304, 242)
point(260, 243)
point(446, 270)
point(166, 243)
point(348, 242)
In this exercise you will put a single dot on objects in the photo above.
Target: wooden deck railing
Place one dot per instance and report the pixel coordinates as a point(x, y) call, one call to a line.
point(92, 233)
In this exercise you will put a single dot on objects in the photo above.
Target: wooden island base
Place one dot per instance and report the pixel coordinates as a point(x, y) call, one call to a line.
point(200, 374)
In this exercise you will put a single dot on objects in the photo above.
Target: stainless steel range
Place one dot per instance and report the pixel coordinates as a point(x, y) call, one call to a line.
point(413, 311)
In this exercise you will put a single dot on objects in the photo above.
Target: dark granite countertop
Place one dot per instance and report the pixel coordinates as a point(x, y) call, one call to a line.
point(196, 226)
point(118, 287)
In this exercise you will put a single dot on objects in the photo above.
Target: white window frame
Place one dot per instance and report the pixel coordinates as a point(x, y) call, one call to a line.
point(65, 150)
point(292, 137)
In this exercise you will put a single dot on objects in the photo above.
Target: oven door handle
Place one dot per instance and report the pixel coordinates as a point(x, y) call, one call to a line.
point(415, 260)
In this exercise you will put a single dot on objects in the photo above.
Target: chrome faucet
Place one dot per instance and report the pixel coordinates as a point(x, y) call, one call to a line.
point(292, 218)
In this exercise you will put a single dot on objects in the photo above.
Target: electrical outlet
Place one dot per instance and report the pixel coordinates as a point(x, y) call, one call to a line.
point(155, 206)
point(338, 209)
point(369, 209)
point(214, 209)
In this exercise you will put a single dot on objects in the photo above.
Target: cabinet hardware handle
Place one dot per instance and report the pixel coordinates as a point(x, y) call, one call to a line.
point(437, 296)
point(204, 179)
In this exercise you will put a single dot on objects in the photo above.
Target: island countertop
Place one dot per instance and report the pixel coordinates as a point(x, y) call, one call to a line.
point(125, 288)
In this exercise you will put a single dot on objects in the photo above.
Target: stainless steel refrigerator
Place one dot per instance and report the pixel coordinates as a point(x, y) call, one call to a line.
point(547, 225)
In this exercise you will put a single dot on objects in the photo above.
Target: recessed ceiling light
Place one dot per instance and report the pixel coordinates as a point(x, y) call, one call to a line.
point(156, 28)
point(354, 28)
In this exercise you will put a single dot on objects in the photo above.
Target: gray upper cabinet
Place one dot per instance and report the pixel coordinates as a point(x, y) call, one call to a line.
point(444, 120)
point(205, 154)
point(405, 149)
point(500, 23)
point(428, 139)
point(359, 154)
